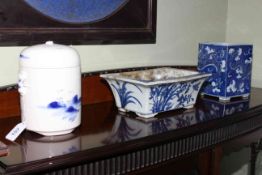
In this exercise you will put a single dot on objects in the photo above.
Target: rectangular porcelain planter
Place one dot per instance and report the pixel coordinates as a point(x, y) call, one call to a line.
point(230, 65)
point(152, 91)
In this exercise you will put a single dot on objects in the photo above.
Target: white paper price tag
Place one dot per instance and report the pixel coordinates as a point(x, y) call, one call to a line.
point(15, 132)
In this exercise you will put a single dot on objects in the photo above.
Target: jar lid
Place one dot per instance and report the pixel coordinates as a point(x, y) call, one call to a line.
point(49, 55)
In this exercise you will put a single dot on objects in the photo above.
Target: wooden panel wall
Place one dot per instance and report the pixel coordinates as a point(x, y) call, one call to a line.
point(9, 104)
point(94, 90)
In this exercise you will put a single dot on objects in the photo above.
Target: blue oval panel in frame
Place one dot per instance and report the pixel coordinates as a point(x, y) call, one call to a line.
point(77, 11)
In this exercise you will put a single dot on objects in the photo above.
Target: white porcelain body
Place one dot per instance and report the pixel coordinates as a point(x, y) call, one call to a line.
point(50, 94)
point(43, 87)
point(148, 98)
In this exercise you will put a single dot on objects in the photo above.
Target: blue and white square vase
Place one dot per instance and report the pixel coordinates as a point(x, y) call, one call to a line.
point(230, 66)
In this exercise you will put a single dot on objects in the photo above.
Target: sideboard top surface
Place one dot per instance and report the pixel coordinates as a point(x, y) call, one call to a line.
point(104, 132)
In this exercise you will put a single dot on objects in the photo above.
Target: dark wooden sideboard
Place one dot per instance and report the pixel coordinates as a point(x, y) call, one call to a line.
point(109, 142)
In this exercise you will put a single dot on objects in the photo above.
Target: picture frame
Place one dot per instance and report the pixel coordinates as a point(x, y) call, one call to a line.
point(134, 22)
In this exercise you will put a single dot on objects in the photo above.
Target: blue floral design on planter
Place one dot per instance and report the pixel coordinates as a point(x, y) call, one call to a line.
point(125, 95)
point(163, 96)
point(70, 110)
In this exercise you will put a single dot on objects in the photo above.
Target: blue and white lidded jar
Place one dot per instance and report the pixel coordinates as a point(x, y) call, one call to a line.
point(231, 67)
point(50, 88)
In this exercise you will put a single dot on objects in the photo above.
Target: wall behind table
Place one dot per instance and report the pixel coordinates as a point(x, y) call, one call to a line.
point(181, 25)
point(244, 24)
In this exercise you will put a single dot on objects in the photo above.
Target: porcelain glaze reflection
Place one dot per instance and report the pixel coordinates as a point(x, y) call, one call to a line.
point(230, 66)
point(127, 128)
point(150, 92)
point(219, 109)
point(51, 146)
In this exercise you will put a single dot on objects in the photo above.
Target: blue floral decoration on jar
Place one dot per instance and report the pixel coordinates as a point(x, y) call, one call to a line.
point(69, 110)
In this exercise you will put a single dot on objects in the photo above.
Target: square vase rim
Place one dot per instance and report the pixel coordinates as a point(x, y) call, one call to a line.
point(225, 44)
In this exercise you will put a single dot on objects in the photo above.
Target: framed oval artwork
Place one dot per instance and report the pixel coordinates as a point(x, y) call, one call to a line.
point(77, 21)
